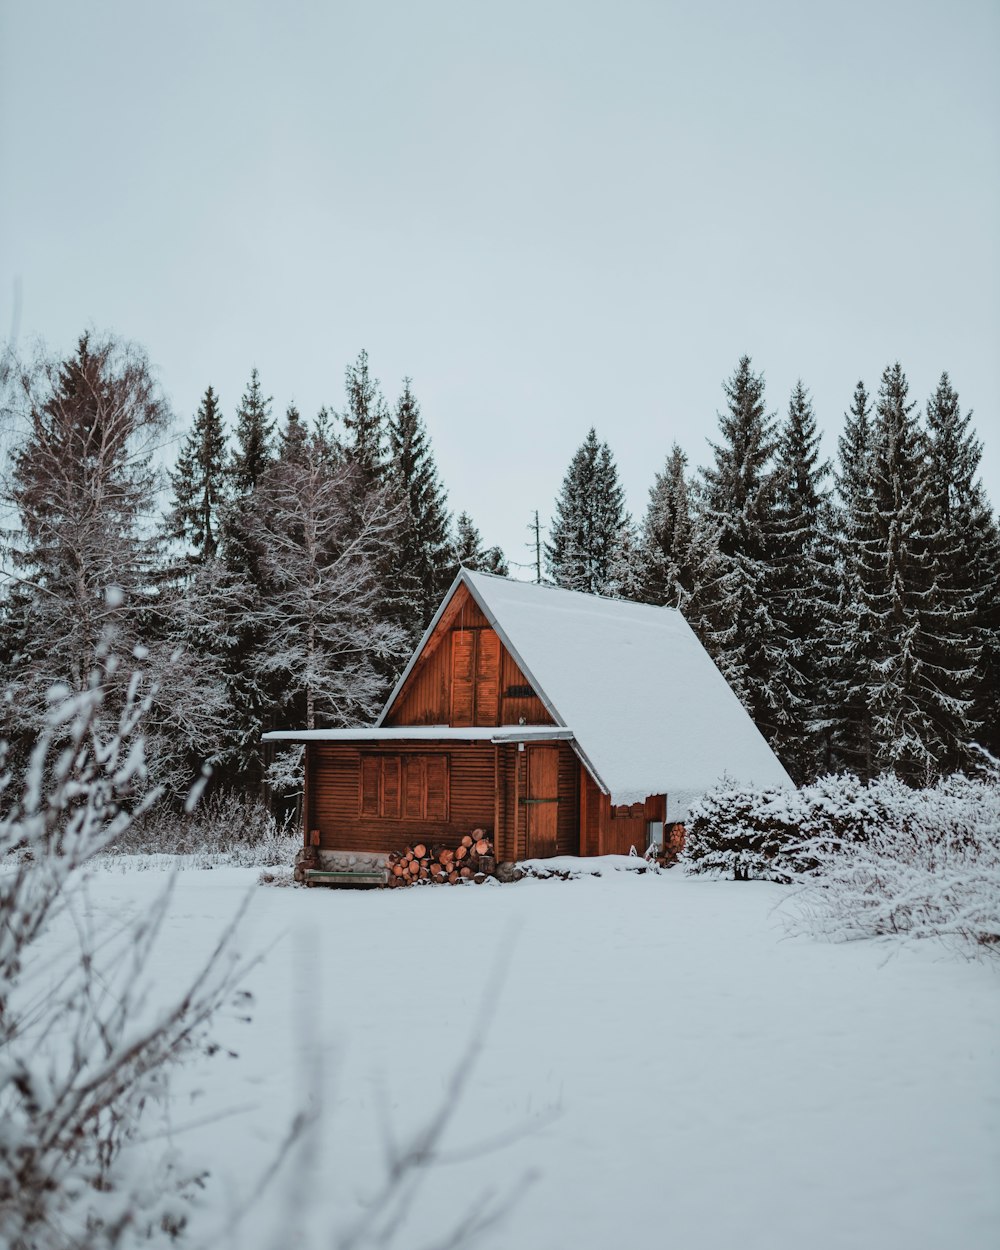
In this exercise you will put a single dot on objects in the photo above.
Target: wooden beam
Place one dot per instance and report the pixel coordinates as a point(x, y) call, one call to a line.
point(497, 845)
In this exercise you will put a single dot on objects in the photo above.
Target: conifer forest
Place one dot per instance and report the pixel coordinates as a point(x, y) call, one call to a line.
point(282, 568)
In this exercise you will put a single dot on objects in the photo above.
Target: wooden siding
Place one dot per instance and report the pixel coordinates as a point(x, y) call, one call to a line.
point(608, 831)
point(455, 681)
point(335, 789)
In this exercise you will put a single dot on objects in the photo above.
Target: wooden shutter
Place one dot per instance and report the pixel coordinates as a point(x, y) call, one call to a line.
point(413, 787)
point(436, 787)
point(370, 772)
point(390, 787)
point(463, 652)
point(487, 678)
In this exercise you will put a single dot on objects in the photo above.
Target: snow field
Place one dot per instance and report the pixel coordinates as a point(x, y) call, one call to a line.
point(661, 1057)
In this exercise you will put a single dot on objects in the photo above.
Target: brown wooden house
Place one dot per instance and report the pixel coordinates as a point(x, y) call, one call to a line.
point(559, 722)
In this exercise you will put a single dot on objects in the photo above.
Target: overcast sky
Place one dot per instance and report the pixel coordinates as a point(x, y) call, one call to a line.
point(550, 215)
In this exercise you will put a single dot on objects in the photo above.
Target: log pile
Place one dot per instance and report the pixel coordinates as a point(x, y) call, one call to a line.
point(471, 861)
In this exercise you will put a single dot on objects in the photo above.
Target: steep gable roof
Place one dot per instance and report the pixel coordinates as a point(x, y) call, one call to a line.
point(650, 712)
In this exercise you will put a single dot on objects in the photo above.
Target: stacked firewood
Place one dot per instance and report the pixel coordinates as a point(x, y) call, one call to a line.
point(472, 860)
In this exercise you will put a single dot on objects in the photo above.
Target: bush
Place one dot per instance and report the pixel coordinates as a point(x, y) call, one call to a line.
point(744, 833)
point(927, 865)
point(871, 859)
point(230, 827)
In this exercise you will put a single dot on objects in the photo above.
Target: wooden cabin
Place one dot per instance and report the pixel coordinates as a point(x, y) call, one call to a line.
point(559, 722)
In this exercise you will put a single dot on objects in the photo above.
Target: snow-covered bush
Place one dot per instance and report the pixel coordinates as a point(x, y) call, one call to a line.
point(228, 827)
point(870, 858)
point(82, 1062)
point(925, 863)
point(744, 833)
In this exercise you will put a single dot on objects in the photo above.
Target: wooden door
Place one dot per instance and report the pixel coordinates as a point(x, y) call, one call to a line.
point(475, 677)
point(541, 801)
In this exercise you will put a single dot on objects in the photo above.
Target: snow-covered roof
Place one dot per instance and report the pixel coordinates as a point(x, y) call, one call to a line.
point(424, 733)
point(650, 712)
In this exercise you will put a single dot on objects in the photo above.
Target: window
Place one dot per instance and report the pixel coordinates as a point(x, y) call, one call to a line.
point(404, 787)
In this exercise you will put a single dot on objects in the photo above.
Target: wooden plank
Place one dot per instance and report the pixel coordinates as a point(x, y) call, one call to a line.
point(463, 690)
point(414, 787)
point(497, 833)
point(390, 805)
point(542, 794)
point(369, 786)
point(487, 677)
point(437, 787)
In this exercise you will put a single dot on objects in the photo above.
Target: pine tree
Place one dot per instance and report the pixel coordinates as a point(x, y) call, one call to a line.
point(292, 439)
point(666, 534)
point(423, 542)
point(912, 609)
point(627, 567)
point(803, 587)
point(199, 483)
point(468, 552)
point(365, 421)
point(739, 498)
point(82, 482)
point(966, 557)
point(590, 512)
point(851, 631)
point(254, 438)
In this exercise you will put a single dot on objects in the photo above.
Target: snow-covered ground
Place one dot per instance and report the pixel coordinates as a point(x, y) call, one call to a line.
point(661, 1065)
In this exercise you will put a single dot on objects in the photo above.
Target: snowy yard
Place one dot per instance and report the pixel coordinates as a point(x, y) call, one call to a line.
point(668, 1066)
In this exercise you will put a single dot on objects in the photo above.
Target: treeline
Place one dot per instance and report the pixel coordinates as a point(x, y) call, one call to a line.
point(284, 585)
point(296, 562)
point(854, 608)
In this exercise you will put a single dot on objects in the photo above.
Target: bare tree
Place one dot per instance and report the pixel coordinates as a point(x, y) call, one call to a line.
point(81, 1060)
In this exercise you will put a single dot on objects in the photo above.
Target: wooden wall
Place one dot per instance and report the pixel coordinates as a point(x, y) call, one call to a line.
point(606, 830)
point(334, 778)
point(426, 698)
point(486, 781)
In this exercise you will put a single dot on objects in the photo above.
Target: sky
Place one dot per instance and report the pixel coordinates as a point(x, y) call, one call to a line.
point(549, 215)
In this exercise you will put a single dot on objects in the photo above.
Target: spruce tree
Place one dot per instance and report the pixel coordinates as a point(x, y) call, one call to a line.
point(590, 512)
point(365, 420)
point(667, 535)
point(293, 437)
point(802, 589)
point(683, 566)
point(966, 556)
point(199, 483)
point(82, 482)
point(423, 549)
point(254, 438)
point(916, 697)
point(851, 631)
point(468, 552)
point(740, 499)
point(627, 567)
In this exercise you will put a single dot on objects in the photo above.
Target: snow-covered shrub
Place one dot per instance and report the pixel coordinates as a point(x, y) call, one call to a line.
point(925, 863)
point(871, 858)
point(744, 833)
point(229, 827)
point(83, 1062)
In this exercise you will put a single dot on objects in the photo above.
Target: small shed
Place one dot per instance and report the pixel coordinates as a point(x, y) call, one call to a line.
point(561, 723)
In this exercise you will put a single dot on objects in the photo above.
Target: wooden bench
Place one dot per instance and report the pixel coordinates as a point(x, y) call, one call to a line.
point(345, 876)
